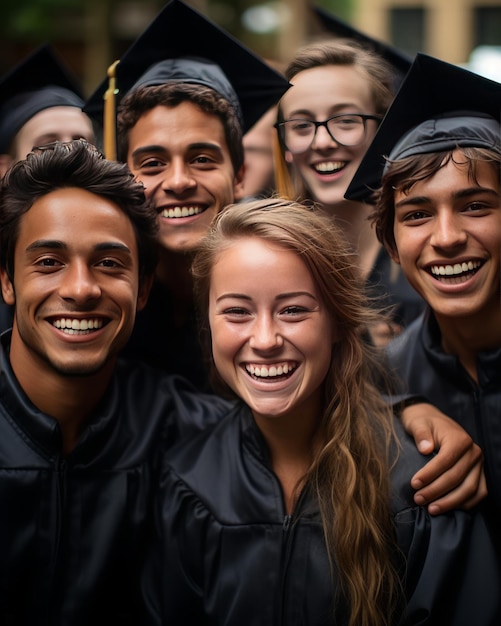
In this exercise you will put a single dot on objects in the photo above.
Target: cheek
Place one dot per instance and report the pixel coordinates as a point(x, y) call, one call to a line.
point(225, 342)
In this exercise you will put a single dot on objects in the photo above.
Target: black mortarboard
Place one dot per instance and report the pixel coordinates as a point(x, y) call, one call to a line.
point(438, 107)
point(399, 60)
point(210, 57)
point(39, 82)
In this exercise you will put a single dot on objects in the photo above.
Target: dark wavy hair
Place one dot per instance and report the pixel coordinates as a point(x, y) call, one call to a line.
point(74, 164)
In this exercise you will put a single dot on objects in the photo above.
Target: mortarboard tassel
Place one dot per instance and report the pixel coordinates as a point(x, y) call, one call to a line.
point(109, 121)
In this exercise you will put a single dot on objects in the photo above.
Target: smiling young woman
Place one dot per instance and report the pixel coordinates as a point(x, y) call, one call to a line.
point(297, 508)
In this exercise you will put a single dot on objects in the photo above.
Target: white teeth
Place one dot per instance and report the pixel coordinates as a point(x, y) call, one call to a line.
point(76, 326)
point(329, 166)
point(182, 211)
point(272, 371)
point(456, 269)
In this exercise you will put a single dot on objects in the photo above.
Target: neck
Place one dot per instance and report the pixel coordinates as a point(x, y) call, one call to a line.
point(68, 399)
point(173, 272)
point(466, 337)
point(292, 441)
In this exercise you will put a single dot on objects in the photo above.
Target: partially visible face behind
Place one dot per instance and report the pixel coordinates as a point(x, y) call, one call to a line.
point(327, 168)
point(448, 236)
point(271, 333)
point(61, 123)
point(75, 284)
point(181, 156)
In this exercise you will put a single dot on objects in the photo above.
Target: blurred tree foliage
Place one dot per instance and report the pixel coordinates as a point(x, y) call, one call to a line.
point(45, 19)
point(35, 19)
point(91, 26)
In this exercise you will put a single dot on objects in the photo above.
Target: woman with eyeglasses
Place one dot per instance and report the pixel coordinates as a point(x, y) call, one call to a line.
point(326, 121)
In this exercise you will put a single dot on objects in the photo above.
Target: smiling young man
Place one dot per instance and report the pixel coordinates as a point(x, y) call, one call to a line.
point(438, 212)
point(183, 106)
point(80, 429)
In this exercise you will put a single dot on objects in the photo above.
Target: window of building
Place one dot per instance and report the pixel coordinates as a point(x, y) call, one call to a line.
point(407, 29)
point(487, 26)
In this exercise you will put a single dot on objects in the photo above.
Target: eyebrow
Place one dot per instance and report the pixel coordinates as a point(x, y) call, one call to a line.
point(341, 108)
point(458, 195)
point(55, 244)
point(282, 296)
point(156, 149)
point(146, 149)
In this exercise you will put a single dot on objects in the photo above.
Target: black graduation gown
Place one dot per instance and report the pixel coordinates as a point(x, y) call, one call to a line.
point(227, 553)
point(73, 529)
point(426, 370)
point(157, 339)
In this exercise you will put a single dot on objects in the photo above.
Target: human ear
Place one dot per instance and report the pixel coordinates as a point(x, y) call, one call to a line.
point(8, 293)
point(238, 185)
point(143, 293)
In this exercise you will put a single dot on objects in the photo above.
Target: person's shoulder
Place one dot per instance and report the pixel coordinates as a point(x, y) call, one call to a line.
point(400, 345)
point(152, 387)
point(211, 448)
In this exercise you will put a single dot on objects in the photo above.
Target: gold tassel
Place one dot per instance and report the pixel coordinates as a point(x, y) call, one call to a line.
point(109, 120)
point(283, 182)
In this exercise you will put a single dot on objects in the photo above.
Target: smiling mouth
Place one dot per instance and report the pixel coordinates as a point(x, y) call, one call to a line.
point(277, 371)
point(183, 211)
point(329, 167)
point(455, 274)
point(74, 326)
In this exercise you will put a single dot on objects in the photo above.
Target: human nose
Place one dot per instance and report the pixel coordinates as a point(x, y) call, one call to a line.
point(448, 231)
point(78, 284)
point(265, 334)
point(178, 178)
point(322, 137)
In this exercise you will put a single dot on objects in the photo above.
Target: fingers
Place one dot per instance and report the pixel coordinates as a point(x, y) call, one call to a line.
point(418, 421)
point(468, 494)
point(454, 477)
point(454, 460)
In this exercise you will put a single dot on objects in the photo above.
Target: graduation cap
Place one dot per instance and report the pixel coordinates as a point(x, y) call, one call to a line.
point(182, 45)
point(438, 107)
point(39, 82)
point(399, 60)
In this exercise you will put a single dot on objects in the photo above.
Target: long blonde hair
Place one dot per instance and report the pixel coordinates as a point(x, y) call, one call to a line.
point(350, 475)
point(344, 52)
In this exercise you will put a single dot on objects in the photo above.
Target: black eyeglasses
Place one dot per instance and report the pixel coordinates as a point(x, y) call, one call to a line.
point(346, 129)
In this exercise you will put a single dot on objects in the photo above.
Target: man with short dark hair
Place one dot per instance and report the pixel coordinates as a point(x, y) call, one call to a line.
point(183, 106)
point(80, 430)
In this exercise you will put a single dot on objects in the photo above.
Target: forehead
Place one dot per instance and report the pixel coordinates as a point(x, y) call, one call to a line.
point(328, 87)
point(57, 121)
point(245, 263)
point(456, 172)
point(75, 217)
point(177, 125)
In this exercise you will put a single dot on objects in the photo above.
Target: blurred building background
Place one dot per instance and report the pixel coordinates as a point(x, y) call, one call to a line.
point(90, 34)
